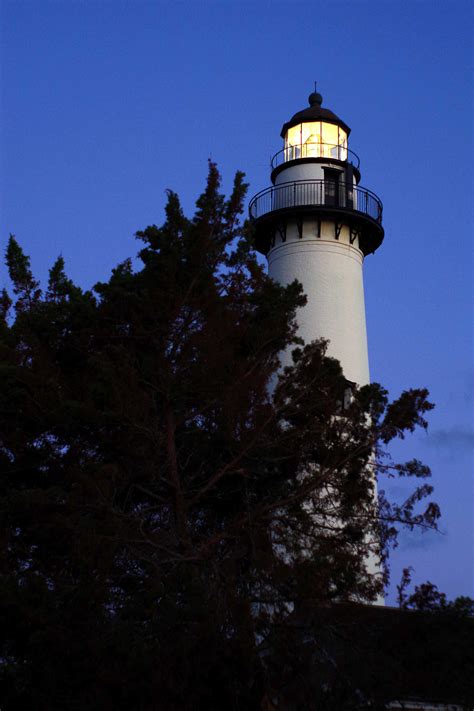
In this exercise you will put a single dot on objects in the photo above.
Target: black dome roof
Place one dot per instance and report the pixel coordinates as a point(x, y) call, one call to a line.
point(314, 113)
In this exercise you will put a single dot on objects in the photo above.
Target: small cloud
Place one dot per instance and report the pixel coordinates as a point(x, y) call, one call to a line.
point(419, 540)
point(456, 438)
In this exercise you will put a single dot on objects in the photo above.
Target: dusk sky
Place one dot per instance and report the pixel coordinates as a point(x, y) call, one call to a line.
point(106, 104)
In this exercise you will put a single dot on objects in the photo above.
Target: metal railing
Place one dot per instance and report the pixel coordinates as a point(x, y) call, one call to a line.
point(315, 193)
point(315, 150)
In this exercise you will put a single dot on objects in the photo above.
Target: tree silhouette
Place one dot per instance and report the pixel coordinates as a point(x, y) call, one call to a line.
point(172, 503)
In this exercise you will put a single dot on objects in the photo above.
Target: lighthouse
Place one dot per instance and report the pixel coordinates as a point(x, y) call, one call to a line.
point(316, 224)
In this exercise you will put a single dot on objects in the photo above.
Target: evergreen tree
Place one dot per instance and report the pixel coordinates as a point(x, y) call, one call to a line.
point(172, 505)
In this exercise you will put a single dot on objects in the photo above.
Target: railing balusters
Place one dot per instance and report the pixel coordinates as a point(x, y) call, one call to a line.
point(315, 150)
point(311, 192)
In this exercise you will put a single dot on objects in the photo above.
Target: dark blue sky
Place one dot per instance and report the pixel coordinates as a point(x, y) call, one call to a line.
point(106, 104)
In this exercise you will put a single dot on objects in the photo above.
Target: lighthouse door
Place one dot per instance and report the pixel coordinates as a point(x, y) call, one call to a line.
point(331, 187)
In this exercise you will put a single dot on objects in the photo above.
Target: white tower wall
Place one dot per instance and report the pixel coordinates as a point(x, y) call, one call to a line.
point(301, 171)
point(330, 271)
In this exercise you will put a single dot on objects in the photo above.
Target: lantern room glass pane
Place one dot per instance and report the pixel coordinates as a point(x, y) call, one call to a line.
point(293, 143)
point(293, 136)
point(330, 140)
point(311, 139)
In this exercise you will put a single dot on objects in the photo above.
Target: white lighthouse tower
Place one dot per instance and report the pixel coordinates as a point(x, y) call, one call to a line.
point(316, 224)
